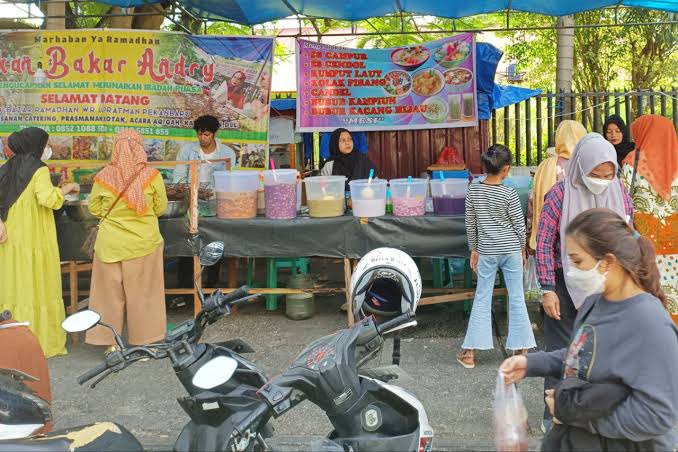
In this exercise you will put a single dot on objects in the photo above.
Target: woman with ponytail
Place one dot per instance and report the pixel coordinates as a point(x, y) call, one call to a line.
point(623, 335)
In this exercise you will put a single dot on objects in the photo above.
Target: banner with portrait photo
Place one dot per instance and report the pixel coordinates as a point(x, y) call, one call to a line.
point(82, 86)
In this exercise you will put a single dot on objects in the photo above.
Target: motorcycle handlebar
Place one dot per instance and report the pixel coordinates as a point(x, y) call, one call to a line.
point(92, 372)
point(253, 417)
point(231, 296)
point(400, 320)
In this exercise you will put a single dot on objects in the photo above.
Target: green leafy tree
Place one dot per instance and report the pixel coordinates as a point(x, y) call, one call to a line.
point(636, 57)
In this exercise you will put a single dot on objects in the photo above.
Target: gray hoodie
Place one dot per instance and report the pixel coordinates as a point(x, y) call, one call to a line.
point(633, 342)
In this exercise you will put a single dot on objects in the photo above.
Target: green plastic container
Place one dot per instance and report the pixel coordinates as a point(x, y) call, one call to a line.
point(84, 175)
point(300, 306)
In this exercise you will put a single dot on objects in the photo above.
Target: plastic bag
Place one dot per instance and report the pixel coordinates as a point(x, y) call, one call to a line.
point(510, 418)
point(531, 285)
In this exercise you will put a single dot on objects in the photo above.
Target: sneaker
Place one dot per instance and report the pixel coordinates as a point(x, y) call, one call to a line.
point(467, 359)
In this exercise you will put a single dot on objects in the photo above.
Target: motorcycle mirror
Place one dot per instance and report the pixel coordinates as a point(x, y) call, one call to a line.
point(215, 372)
point(211, 253)
point(80, 321)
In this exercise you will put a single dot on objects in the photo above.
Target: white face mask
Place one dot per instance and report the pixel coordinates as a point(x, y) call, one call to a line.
point(47, 153)
point(588, 281)
point(595, 185)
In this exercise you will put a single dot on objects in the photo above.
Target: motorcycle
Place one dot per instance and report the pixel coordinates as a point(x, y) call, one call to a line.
point(230, 401)
point(22, 414)
point(366, 412)
point(213, 402)
point(221, 384)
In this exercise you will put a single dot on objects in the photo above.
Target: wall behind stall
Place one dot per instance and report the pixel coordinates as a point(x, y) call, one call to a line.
point(403, 153)
point(409, 152)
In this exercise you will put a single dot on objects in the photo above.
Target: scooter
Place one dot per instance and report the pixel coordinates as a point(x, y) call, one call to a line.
point(230, 401)
point(213, 403)
point(221, 384)
point(23, 414)
point(367, 413)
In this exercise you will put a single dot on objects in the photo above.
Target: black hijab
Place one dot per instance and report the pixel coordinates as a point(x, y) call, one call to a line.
point(354, 165)
point(27, 146)
point(626, 144)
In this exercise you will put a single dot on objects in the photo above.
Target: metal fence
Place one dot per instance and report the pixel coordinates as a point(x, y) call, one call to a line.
point(528, 127)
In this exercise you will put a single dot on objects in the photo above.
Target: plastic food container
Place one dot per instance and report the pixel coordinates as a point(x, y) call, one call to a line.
point(236, 194)
point(280, 194)
point(449, 196)
point(325, 196)
point(518, 181)
point(368, 199)
point(408, 197)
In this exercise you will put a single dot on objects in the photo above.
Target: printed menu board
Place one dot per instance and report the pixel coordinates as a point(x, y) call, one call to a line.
point(424, 86)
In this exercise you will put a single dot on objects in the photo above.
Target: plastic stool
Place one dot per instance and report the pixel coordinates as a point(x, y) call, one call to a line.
point(297, 264)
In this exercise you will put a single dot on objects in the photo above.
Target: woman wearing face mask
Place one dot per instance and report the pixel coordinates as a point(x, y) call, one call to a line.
point(618, 328)
point(30, 271)
point(590, 182)
point(344, 160)
point(655, 191)
point(617, 134)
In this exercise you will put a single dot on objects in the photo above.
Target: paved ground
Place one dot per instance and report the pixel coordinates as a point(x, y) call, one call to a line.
point(458, 401)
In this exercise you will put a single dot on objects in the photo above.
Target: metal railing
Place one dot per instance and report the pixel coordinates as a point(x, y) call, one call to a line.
point(528, 127)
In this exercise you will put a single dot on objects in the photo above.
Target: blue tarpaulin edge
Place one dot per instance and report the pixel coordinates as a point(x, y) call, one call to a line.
point(251, 12)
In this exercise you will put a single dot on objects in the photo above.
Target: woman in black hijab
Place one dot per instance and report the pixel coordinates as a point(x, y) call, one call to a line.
point(30, 270)
point(344, 160)
point(27, 146)
point(616, 132)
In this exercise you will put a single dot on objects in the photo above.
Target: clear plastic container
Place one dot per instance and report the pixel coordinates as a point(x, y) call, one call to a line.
point(518, 181)
point(300, 188)
point(236, 193)
point(325, 196)
point(280, 193)
point(449, 196)
point(368, 199)
point(408, 197)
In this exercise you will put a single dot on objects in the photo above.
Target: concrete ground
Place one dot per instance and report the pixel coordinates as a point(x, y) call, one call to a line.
point(143, 397)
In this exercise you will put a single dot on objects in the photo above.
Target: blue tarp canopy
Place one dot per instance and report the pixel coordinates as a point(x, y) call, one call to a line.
point(250, 12)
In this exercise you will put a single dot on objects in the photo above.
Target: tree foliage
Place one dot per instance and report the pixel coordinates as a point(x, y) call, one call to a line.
point(636, 57)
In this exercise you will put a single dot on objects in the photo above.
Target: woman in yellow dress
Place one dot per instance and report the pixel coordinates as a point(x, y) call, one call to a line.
point(30, 272)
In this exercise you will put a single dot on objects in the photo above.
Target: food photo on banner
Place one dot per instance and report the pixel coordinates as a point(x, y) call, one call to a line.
point(431, 85)
point(82, 86)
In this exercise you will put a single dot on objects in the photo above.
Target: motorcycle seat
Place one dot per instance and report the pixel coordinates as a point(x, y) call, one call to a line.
point(45, 444)
point(103, 436)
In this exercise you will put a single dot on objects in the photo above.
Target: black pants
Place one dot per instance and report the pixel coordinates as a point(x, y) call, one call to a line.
point(558, 333)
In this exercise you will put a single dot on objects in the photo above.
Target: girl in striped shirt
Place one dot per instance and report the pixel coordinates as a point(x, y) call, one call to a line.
point(495, 226)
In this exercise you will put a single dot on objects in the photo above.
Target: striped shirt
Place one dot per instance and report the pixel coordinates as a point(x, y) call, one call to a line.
point(494, 220)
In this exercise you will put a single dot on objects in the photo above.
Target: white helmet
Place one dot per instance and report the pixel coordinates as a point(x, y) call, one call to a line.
point(385, 282)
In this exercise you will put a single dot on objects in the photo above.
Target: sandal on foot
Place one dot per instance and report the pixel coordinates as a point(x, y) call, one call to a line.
point(466, 359)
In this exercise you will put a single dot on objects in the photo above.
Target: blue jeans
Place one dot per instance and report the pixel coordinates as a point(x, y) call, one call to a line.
point(479, 332)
